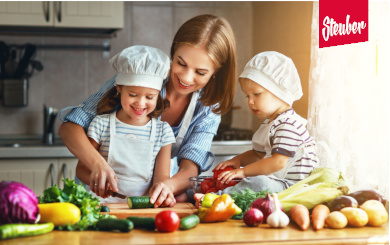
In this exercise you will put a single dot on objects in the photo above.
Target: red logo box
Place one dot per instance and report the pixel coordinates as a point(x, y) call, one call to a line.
point(343, 22)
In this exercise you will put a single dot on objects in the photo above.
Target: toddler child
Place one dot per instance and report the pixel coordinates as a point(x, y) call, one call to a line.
point(283, 151)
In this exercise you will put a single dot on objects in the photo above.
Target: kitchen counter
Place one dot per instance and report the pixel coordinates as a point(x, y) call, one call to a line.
point(229, 232)
point(34, 148)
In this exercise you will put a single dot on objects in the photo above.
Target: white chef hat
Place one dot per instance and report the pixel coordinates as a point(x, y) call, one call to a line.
point(276, 73)
point(141, 66)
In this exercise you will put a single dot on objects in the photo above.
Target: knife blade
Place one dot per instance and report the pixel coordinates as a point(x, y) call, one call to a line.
point(116, 194)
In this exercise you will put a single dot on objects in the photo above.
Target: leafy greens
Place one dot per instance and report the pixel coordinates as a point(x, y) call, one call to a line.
point(76, 194)
point(244, 199)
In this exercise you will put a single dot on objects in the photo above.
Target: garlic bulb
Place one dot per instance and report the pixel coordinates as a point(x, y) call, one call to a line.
point(278, 218)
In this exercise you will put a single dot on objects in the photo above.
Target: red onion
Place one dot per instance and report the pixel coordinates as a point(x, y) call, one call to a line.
point(253, 217)
point(265, 205)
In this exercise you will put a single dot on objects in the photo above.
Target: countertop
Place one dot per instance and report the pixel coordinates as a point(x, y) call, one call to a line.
point(33, 147)
point(228, 232)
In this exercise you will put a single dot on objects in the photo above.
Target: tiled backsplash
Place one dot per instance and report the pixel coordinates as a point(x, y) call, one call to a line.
point(70, 76)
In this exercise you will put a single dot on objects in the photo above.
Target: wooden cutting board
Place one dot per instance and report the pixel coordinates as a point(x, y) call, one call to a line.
point(122, 210)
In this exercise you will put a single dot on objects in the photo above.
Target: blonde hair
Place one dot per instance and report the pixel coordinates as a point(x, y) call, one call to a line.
point(216, 35)
point(112, 99)
point(246, 82)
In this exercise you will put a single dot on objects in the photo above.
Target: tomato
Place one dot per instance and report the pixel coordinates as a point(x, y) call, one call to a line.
point(221, 186)
point(219, 171)
point(207, 184)
point(167, 221)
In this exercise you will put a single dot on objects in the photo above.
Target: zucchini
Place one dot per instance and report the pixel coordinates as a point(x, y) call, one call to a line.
point(110, 224)
point(21, 230)
point(104, 209)
point(139, 202)
point(143, 222)
point(189, 222)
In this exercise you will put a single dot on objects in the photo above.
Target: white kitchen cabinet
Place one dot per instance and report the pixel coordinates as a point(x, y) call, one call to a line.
point(38, 174)
point(69, 14)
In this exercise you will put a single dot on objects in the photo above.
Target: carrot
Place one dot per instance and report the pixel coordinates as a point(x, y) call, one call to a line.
point(300, 215)
point(318, 215)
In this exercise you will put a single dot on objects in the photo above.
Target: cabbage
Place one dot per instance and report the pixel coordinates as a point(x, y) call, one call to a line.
point(18, 204)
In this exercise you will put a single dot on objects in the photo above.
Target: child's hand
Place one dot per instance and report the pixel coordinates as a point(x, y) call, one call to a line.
point(224, 164)
point(227, 176)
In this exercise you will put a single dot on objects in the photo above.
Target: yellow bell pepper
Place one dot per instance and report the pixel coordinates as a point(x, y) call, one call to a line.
point(222, 209)
point(209, 198)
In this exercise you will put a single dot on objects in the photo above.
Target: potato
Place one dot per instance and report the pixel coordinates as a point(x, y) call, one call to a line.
point(356, 217)
point(336, 220)
point(377, 213)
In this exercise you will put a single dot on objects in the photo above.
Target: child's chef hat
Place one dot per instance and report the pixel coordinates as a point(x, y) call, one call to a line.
point(141, 66)
point(276, 73)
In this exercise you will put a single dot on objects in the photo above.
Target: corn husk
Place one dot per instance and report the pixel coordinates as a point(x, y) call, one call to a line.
point(322, 185)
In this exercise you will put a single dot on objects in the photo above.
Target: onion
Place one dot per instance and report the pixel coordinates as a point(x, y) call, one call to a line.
point(19, 204)
point(253, 217)
point(265, 205)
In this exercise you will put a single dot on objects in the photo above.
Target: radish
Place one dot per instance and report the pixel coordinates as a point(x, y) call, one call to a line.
point(253, 217)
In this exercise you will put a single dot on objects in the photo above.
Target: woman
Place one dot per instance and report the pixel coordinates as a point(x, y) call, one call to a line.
point(200, 88)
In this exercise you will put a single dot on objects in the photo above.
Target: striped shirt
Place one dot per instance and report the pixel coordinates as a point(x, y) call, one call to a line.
point(196, 143)
point(99, 130)
point(288, 136)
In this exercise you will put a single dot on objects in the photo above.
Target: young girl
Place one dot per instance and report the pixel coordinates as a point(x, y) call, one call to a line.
point(134, 143)
point(283, 151)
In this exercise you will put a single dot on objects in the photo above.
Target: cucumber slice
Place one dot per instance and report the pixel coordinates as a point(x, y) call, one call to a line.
point(139, 202)
point(143, 222)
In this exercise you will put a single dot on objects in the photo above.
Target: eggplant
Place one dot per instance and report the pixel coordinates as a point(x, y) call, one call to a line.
point(364, 195)
point(342, 202)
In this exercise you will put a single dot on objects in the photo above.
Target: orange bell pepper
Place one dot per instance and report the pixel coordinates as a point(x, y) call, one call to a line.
point(223, 208)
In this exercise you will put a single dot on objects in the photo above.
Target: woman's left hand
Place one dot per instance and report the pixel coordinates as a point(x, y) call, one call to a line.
point(162, 195)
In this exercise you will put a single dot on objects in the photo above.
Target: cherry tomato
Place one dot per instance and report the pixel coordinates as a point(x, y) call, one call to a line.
point(219, 171)
point(167, 221)
point(221, 186)
point(207, 184)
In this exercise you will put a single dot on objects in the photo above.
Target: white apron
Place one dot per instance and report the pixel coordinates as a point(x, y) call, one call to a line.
point(132, 161)
point(182, 131)
point(261, 142)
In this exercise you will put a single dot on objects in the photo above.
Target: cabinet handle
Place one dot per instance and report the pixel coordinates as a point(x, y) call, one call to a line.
point(47, 11)
point(51, 168)
point(64, 170)
point(59, 18)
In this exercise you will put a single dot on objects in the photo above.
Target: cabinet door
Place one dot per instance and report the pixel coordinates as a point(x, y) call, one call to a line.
point(66, 169)
point(88, 14)
point(36, 174)
point(26, 13)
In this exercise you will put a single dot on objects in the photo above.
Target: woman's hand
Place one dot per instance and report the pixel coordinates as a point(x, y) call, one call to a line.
point(227, 176)
point(161, 195)
point(101, 178)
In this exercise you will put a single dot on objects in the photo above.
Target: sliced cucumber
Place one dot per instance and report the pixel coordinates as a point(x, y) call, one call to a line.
point(143, 222)
point(189, 222)
point(139, 202)
point(110, 224)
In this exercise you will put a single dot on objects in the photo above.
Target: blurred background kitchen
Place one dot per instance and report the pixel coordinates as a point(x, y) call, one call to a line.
point(346, 92)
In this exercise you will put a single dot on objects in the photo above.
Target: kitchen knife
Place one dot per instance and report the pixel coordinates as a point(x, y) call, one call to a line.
point(116, 194)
